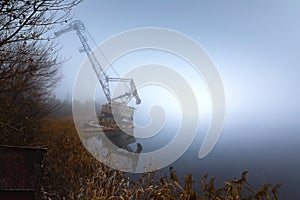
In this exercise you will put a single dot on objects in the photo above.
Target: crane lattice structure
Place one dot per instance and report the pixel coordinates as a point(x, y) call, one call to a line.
point(107, 119)
point(103, 78)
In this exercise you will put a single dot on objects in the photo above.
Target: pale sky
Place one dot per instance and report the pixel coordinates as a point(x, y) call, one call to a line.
point(255, 45)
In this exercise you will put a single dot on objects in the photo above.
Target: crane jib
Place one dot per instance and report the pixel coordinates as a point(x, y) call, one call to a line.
point(103, 78)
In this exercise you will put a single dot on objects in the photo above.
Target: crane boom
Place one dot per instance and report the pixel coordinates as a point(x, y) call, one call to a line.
point(78, 26)
point(103, 78)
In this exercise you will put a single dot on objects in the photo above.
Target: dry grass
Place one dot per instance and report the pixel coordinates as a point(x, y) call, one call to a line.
point(72, 173)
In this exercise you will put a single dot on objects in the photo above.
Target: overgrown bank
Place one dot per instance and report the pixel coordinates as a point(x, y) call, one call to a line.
point(72, 173)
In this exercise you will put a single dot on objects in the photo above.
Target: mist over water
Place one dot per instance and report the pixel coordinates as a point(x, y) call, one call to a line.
point(266, 146)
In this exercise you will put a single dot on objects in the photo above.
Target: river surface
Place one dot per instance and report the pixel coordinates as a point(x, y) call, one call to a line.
point(268, 149)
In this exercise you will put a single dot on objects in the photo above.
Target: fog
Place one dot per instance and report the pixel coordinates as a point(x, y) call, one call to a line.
point(255, 48)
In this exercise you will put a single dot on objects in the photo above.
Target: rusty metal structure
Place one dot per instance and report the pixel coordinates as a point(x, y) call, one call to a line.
point(20, 172)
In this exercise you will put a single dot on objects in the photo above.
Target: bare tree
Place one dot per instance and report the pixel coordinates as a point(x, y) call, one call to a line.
point(29, 64)
point(25, 20)
point(27, 79)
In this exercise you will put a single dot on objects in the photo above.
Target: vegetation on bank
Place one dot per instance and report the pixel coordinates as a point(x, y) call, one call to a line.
point(72, 173)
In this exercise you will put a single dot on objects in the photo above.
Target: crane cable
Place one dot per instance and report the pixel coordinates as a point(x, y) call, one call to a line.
point(110, 65)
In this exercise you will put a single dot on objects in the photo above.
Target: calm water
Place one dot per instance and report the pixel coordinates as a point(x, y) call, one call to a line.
point(268, 149)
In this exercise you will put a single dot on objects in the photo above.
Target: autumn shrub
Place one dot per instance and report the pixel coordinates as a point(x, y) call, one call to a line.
point(67, 164)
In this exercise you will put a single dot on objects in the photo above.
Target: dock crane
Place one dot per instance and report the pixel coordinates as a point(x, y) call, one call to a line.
point(124, 112)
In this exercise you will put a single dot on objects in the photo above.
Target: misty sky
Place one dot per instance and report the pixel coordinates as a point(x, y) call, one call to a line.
point(255, 46)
